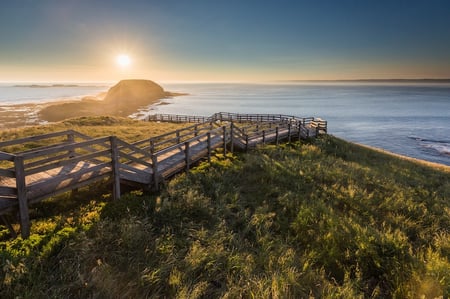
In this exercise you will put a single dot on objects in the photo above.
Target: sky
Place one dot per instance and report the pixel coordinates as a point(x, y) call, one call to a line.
point(216, 40)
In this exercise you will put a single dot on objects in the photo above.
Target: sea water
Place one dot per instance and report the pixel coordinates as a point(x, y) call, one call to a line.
point(408, 119)
point(35, 93)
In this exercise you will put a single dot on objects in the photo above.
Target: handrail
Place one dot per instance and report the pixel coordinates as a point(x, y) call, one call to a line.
point(34, 138)
point(6, 156)
point(181, 144)
point(65, 147)
point(177, 118)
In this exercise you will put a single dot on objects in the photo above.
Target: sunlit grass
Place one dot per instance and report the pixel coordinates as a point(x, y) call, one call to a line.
point(98, 126)
point(323, 219)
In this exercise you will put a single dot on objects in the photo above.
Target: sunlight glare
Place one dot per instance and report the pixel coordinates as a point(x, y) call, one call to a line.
point(123, 60)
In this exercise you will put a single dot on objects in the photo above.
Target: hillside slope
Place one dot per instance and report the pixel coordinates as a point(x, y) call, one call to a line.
point(323, 219)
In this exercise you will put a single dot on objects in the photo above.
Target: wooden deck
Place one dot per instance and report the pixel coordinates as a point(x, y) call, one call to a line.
point(63, 161)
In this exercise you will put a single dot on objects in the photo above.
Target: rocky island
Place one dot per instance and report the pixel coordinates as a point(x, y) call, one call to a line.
point(123, 99)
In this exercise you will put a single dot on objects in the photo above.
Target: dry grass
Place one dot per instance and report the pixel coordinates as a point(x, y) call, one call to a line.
point(97, 126)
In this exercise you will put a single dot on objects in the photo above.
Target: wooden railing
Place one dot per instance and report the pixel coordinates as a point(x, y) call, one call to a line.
point(179, 136)
point(58, 162)
point(177, 118)
point(166, 164)
point(242, 117)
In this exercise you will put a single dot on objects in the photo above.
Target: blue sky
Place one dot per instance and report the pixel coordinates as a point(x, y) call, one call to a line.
point(229, 40)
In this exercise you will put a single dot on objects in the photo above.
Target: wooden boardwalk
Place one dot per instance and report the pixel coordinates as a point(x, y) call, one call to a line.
point(63, 161)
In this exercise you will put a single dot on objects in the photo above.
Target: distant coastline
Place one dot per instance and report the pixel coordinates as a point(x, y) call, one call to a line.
point(52, 85)
point(445, 81)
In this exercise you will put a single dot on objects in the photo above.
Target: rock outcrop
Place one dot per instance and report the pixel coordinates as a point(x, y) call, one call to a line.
point(123, 99)
point(138, 92)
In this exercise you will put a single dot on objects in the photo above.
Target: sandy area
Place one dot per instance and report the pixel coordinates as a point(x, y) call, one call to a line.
point(16, 116)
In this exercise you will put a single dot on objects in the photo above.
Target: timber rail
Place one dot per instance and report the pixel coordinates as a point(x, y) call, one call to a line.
point(62, 161)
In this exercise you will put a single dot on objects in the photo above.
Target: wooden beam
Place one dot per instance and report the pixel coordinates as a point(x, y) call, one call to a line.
point(187, 155)
point(155, 171)
point(276, 136)
point(209, 146)
point(224, 128)
point(115, 167)
point(289, 132)
point(231, 137)
point(22, 197)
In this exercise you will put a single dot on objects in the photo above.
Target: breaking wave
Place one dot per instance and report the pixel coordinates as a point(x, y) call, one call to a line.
point(440, 147)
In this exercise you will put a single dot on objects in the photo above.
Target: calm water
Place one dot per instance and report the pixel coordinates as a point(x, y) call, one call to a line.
point(20, 93)
point(412, 120)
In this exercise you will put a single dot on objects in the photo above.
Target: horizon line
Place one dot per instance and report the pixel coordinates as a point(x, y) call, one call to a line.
point(370, 80)
point(392, 80)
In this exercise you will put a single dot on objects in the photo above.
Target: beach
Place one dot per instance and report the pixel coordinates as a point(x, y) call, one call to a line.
point(16, 116)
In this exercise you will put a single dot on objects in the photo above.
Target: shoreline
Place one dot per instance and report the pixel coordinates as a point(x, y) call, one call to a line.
point(440, 166)
point(15, 116)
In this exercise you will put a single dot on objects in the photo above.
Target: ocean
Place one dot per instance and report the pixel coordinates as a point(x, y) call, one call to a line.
point(411, 119)
point(35, 93)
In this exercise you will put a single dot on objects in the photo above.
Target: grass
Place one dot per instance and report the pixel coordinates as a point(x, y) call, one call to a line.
point(316, 219)
point(98, 126)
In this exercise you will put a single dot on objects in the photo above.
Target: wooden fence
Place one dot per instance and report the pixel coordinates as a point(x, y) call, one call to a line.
point(62, 161)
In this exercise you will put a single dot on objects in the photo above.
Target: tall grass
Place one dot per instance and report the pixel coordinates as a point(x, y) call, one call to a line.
point(317, 219)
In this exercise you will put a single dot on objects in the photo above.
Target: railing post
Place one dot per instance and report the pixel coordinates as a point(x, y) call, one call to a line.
point(195, 131)
point(71, 139)
point(152, 146)
point(289, 132)
point(231, 137)
point(264, 137)
point(186, 155)
point(276, 136)
point(115, 167)
point(22, 197)
point(246, 143)
point(224, 140)
point(155, 172)
point(209, 146)
point(178, 136)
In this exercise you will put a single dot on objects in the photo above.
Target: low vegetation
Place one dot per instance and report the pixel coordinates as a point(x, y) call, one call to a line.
point(97, 126)
point(320, 218)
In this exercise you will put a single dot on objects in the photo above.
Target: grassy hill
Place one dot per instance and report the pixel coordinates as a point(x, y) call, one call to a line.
point(321, 218)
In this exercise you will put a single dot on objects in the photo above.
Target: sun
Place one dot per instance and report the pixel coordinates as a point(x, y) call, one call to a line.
point(123, 60)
